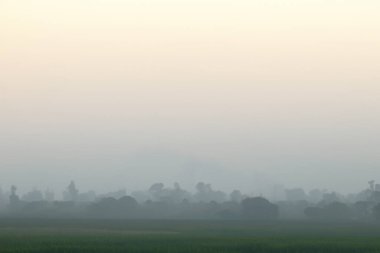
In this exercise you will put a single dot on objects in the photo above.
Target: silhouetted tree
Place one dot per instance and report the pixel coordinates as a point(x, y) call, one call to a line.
point(236, 196)
point(112, 208)
point(156, 191)
point(329, 198)
point(71, 193)
point(336, 210)
point(205, 193)
point(362, 209)
point(374, 197)
point(128, 203)
point(14, 200)
point(259, 208)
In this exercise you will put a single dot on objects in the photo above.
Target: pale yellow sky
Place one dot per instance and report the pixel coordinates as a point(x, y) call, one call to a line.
point(278, 87)
point(246, 41)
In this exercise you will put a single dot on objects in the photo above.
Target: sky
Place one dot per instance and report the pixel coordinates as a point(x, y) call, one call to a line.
point(241, 94)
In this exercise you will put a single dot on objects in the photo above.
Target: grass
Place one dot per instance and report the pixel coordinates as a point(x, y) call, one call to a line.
point(59, 236)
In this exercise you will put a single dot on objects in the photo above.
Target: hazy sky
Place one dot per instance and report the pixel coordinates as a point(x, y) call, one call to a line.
point(239, 93)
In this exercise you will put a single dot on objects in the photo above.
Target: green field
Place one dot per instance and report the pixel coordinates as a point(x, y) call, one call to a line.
point(185, 236)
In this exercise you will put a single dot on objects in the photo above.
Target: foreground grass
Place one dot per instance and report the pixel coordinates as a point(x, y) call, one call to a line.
point(55, 244)
point(184, 236)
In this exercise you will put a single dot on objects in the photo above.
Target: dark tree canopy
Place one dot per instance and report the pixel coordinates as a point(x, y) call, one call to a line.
point(259, 208)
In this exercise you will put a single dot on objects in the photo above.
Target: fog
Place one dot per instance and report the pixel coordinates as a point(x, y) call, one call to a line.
point(119, 95)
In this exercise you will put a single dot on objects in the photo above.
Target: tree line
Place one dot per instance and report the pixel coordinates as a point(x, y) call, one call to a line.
point(161, 202)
